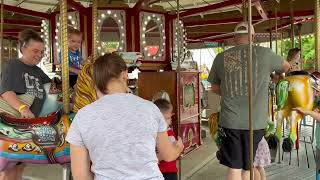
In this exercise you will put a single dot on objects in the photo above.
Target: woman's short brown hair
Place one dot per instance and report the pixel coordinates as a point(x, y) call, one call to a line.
point(27, 35)
point(106, 68)
point(292, 52)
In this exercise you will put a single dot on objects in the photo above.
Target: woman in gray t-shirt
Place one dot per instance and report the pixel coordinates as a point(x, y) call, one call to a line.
point(115, 137)
point(22, 76)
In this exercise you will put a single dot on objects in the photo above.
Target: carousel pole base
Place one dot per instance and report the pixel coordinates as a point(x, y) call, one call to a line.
point(66, 173)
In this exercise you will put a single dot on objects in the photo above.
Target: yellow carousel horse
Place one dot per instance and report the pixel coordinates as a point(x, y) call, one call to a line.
point(295, 91)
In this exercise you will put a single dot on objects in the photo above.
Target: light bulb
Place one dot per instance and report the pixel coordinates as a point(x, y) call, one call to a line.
point(70, 17)
point(108, 12)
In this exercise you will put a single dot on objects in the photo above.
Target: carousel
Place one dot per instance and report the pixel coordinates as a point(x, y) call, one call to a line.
point(154, 37)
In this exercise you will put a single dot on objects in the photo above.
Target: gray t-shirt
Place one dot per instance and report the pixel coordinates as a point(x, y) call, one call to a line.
point(229, 70)
point(21, 78)
point(120, 132)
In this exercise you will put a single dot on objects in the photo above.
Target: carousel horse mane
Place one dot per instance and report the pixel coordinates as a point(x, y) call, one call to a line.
point(85, 90)
point(213, 121)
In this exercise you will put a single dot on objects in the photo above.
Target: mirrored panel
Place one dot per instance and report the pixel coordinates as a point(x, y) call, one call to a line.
point(152, 36)
point(111, 31)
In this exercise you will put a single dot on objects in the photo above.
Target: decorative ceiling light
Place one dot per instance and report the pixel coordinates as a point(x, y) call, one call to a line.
point(180, 38)
point(145, 18)
point(119, 17)
point(46, 39)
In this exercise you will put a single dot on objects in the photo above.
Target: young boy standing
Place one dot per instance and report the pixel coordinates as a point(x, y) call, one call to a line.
point(168, 169)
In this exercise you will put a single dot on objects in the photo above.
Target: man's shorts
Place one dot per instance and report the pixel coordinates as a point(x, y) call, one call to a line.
point(235, 147)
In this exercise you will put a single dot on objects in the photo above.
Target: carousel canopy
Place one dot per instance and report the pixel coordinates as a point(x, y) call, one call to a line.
point(204, 20)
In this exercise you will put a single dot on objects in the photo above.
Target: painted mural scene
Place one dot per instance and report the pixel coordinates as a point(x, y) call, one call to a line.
point(159, 90)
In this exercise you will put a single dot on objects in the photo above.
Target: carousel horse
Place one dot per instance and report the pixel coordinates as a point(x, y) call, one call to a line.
point(38, 140)
point(295, 91)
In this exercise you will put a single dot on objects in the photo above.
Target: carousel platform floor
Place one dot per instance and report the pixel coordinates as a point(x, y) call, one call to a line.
point(302, 168)
point(202, 164)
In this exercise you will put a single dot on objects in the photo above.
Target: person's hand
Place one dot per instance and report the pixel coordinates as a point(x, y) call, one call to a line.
point(179, 144)
point(300, 110)
point(26, 113)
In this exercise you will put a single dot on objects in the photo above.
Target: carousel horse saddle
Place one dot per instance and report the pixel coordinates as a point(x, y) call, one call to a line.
point(43, 132)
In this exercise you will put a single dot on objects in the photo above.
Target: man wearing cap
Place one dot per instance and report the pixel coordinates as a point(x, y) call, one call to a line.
point(228, 78)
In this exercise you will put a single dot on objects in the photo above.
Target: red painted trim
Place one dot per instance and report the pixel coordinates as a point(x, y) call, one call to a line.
point(114, 8)
point(77, 6)
point(285, 25)
point(261, 10)
point(129, 29)
point(155, 12)
point(9, 31)
point(167, 40)
point(82, 24)
point(20, 22)
point(219, 38)
point(89, 29)
point(296, 14)
point(26, 11)
point(255, 19)
point(223, 4)
point(217, 21)
point(136, 15)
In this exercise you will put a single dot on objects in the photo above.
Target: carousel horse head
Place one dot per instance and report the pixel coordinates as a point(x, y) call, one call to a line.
point(85, 91)
point(295, 91)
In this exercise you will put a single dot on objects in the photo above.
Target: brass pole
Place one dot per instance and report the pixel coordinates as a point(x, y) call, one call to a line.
point(94, 29)
point(292, 24)
point(270, 34)
point(179, 81)
point(300, 43)
point(64, 55)
point(244, 10)
point(1, 36)
point(317, 33)
point(250, 88)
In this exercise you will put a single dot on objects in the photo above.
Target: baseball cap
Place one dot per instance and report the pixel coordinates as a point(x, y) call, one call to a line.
point(243, 28)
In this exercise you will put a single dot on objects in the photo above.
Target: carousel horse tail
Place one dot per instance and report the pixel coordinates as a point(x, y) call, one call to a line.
point(282, 93)
point(85, 91)
point(213, 124)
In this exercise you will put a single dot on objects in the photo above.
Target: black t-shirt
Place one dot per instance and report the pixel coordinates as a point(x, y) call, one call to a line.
point(21, 78)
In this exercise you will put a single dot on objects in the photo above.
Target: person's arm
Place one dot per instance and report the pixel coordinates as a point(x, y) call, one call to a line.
point(214, 76)
point(80, 163)
point(167, 150)
point(277, 63)
point(74, 70)
point(285, 66)
point(313, 114)
point(11, 98)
